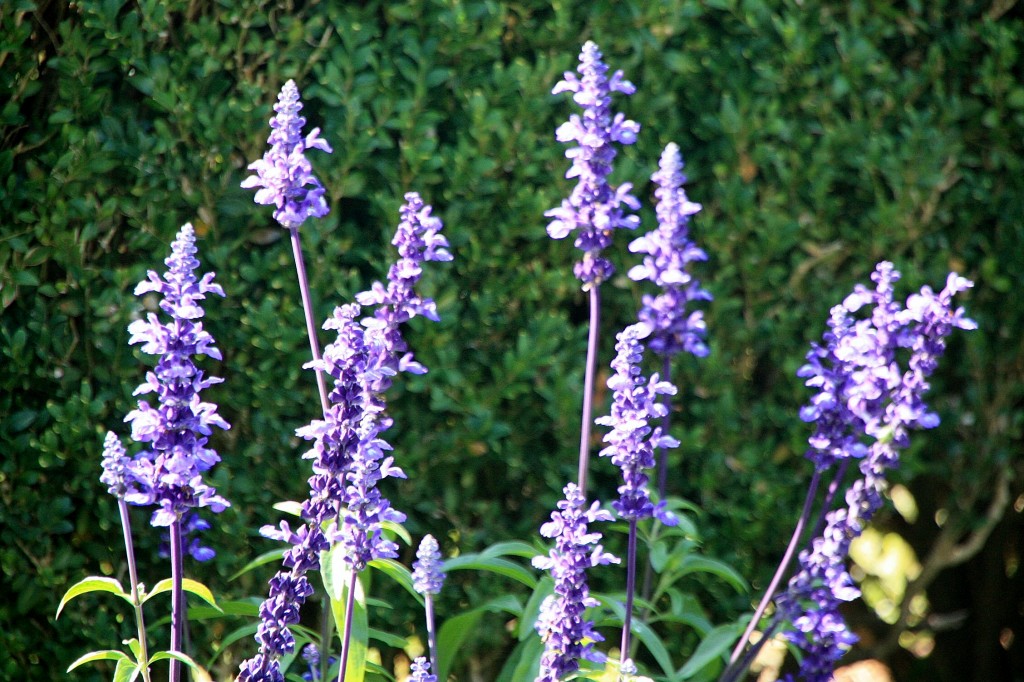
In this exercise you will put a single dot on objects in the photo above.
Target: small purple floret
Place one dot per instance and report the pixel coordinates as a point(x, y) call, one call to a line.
point(421, 671)
point(427, 576)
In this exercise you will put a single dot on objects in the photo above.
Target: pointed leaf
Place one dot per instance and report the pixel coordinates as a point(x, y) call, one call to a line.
point(714, 645)
point(106, 655)
point(93, 584)
point(497, 565)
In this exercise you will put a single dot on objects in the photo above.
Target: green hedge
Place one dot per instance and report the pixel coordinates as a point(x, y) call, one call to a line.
point(820, 137)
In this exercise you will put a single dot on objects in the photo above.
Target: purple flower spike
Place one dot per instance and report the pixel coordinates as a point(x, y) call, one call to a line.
point(668, 253)
point(427, 576)
point(418, 239)
point(116, 466)
point(594, 208)
point(421, 671)
point(865, 406)
point(284, 174)
point(561, 622)
point(169, 473)
point(632, 442)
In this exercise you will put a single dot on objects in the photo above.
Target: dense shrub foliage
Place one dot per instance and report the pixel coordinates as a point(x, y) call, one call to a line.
point(820, 138)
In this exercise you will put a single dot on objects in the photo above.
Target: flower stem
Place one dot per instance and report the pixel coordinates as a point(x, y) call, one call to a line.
point(588, 387)
point(431, 635)
point(307, 308)
point(140, 621)
point(627, 620)
point(346, 636)
point(177, 599)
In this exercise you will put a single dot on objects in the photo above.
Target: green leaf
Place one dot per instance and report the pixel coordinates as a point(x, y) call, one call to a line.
point(545, 586)
point(399, 573)
point(455, 630)
point(106, 655)
point(337, 580)
point(188, 585)
point(497, 565)
point(701, 564)
point(93, 584)
point(716, 643)
point(523, 663)
point(640, 629)
point(265, 558)
point(199, 673)
point(126, 671)
point(289, 507)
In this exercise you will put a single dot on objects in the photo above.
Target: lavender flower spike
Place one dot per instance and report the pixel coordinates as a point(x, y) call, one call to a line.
point(169, 473)
point(427, 576)
point(668, 253)
point(116, 466)
point(284, 175)
point(632, 442)
point(594, 208)
point(865, 407)
point(568, 636)
point(418, 239)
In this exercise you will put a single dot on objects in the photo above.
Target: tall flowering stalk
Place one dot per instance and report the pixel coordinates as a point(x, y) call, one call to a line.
point(668, 252)
point(632, 443)
point(427, 579)
point(567, 634)
point(345, 506)
point(117, 476)
point(169, 473)
point(594, 209)
point(286, 181)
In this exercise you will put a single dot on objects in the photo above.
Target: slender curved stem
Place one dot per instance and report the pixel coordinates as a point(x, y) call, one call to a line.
point(133, 576)
point(431, 635)
point(307, 308)
point(588, 387)
point(347, 634)
point(736, 668)
point(627, 620)
point(177, 599)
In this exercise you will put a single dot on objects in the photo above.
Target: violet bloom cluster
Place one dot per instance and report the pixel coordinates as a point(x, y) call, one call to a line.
point(169, 473)
point(594, 209)
point(116, 466)
point(427, 575)
point(421, 671)
point(668, 253)
point(284, 174)
point(866, 405)
point(568, 636)
point(632, 442)
point(418, 239)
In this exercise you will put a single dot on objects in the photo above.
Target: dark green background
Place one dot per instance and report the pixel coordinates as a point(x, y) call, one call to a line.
point(821, 137)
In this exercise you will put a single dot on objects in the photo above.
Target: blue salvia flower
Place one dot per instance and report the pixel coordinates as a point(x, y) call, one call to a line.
point(421, 671)
point(668, 253)
point(632, 441)
point(864, 394)
point(284, 175)
point(568, 635)
point(595, 208)
point(344, 504)
point(418, 239)
point(192, 527)
point(116, 466)
point(169, 473)
point(427, 576)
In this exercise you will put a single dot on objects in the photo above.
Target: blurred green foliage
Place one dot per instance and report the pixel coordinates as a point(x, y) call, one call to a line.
point(820, 137)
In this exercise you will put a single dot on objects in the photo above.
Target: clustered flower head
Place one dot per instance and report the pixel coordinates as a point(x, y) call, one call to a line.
point(632, 442)
point(169, 473)
point(418, 239)
point(116, 466)
point(568, 636)
point(594, 209)
point(427, 575)
point(284, 174)
point(866, 405)
point(421, 671)
point(668, 253)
